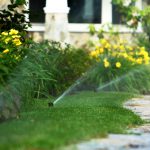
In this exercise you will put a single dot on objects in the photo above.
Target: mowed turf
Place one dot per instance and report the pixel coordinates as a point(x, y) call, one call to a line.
point(74, 119)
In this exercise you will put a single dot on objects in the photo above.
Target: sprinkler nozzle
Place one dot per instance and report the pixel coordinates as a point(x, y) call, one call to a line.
point(50, 104)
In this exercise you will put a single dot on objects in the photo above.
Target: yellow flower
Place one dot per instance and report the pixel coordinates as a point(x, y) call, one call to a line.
point(130, 48)
point(114, 54)
point(7, 40)
point(105, 59)
point(4, 33)
point(106, 63)
point(121, 41)
point(130, 58)
point(131, 53)
point(142, 48)
point(103, 41)
point(139, 61)
point(118, 64)
point(93, 53)
point(13, 31)
point(16, 36)
point(101, 50)
point(125, 55)
point(115, 46)
point(144, 53)
point(146, 60)
point(17, 42)
point(5, 51)
point(122, 48)
point(107, 45)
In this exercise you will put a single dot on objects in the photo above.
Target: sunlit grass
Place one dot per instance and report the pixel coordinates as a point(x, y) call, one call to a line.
point(76, 118)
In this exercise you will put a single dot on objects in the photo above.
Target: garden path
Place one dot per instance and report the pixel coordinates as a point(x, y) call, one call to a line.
point(138, 139)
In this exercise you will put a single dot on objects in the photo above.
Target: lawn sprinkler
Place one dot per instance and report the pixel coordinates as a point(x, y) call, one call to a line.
point(72, 89)
point(50, 104)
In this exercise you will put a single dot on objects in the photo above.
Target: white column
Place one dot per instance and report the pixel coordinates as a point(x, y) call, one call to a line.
point(56, 20)
point(106, 11)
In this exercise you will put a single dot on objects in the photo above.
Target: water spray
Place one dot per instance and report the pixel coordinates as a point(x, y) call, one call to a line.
point(79, 81)
point(85, 77)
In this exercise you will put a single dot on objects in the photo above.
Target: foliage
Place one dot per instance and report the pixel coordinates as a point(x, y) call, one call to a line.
point(13, 25)
point(146, 20)
point(81, 117)
point(108, 29)
point(142, 41)
point(116, 59)
point(48, 69)
point(19, 2)
point(10, 52)
point(135, 81)
point(14, 17)
point(111, 54)
point(132, 15)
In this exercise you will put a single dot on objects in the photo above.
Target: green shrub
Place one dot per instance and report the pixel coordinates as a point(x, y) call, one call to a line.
point(116, 59)
point(48, 69)
point(13, 34)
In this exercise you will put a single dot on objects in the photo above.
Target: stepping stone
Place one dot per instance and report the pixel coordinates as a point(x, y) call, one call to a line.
point(117, 142)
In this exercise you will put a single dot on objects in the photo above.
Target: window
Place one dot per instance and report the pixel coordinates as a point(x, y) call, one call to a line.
point(116, 15)
point(81, 14)
point(84, 11)
point(36, 11)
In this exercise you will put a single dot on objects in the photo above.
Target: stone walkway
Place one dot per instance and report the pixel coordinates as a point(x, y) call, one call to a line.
point(138, 139)
point(141, 106)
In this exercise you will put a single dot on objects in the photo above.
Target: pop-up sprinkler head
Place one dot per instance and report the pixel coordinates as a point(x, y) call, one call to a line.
point(50, 104)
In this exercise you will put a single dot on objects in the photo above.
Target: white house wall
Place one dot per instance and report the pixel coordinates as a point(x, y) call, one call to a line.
point(76, 30)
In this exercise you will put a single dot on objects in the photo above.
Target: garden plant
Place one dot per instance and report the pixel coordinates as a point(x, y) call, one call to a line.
point(10, 52)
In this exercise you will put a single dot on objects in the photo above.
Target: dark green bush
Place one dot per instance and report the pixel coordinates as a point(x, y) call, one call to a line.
point(48, 69)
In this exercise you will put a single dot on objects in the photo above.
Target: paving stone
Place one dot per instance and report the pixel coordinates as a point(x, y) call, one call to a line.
point(140, 106)
point(117, 142)
point(142, 129)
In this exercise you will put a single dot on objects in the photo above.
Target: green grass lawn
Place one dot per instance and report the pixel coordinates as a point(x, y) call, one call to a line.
point(76, 118)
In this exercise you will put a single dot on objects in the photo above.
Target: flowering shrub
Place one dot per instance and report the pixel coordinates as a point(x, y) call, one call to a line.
point(10, 52)
point(117, 59)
